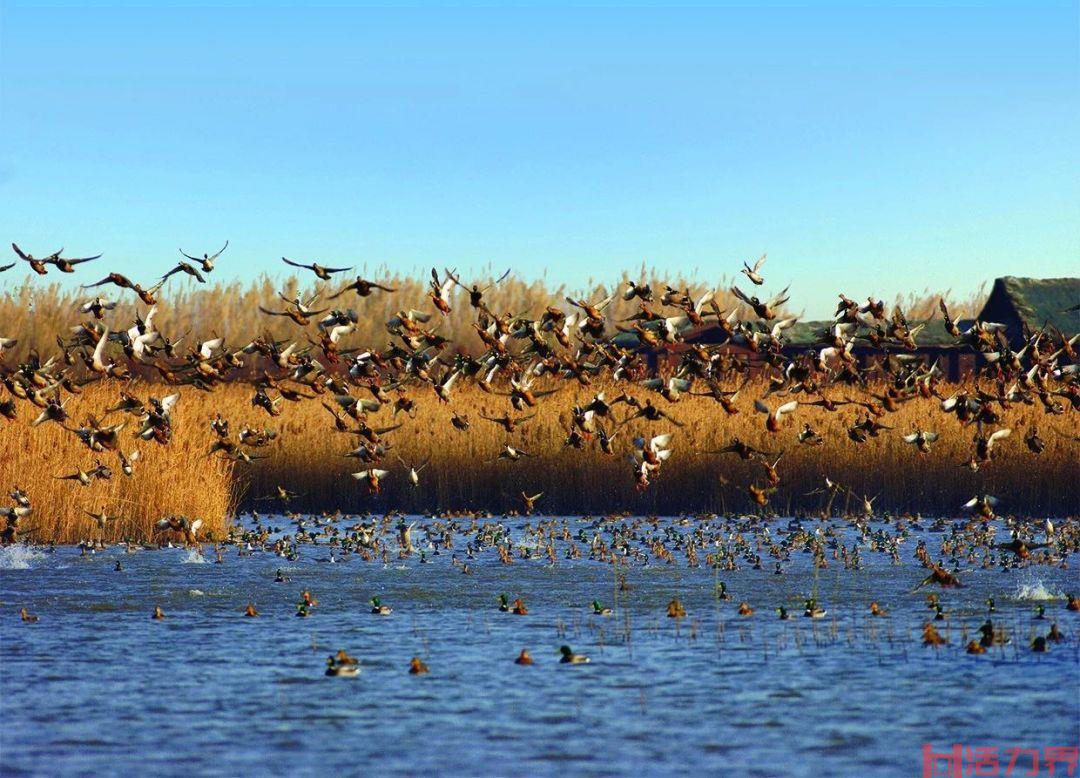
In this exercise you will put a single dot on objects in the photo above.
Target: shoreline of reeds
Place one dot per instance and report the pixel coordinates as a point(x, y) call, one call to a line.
point(307, 456)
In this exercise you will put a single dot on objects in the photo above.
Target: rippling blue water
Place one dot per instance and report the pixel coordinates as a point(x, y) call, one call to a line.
point(97, 687)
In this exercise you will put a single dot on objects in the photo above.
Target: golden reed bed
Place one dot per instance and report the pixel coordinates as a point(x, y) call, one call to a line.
point(307, 458)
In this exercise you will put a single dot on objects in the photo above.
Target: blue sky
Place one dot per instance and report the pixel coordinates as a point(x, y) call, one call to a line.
point(869, 147)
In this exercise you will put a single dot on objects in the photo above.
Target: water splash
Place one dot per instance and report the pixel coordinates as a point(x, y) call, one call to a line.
point(196, 592)
point(19, 557)
point(194, 557)
point(1036, 590)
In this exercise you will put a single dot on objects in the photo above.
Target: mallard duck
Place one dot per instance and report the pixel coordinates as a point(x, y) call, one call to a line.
point(519, 608)
point(181, 524)
point(362, 287)
point(764, 310)
point(26, 616)
point(1073, 603)
point(772, 417)
point(570, 658)
point(378, 609)
point(207, 260)
point(745, 609)
point(1039, 644)
point(877, 610)
point(528, 502)
point(373, 478)
point(416, 667)
point(504, 603)
point(158, 613)
point(440, 291)
point(343, 658)
point(319, 270)
point(921, 439)
point(812, 611)
point(600, 610)
point(991, 636)
point(524, 658)
point(973, 647)
point(250, 611)
point(783, 613)
point(752, 272)
point(941, 577)
point(336, 669)
point(675, 609)
point(931, 637)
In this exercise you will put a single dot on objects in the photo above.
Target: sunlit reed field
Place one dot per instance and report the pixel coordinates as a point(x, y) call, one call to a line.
point(178, 479)
point(308, 457)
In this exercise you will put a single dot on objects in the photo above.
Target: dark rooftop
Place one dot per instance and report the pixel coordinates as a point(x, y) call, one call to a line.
point(1035, 301)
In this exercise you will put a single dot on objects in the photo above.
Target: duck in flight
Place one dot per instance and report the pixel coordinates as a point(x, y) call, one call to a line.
point(321, 271)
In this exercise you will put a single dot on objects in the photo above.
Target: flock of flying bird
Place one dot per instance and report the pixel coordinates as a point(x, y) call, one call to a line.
point(526, 359)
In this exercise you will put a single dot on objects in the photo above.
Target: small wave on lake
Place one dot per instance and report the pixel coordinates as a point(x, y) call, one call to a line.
point(194, 557)
point(1036, 590)
point(19, 557)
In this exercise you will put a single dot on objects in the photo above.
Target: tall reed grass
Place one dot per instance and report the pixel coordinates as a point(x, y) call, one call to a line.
point(463, 474)
point(174, 479)
point(36, 311)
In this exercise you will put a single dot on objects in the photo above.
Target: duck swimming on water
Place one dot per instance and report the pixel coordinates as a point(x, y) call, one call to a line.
point(570, 658)
point(931, 637)
point(335, 668)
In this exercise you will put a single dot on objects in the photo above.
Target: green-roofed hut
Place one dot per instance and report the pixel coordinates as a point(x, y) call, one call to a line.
point(1034, 303)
